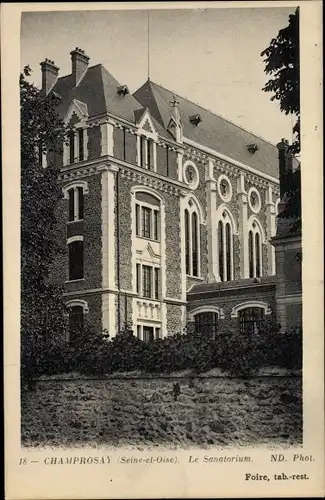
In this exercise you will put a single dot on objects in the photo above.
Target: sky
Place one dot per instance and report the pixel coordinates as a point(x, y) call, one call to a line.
point(210, 56)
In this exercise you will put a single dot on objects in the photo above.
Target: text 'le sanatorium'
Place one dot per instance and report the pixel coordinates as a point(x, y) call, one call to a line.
point(167, 459)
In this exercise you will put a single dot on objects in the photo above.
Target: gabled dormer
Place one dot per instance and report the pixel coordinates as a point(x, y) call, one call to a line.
point(147, 138)
point(76, 118)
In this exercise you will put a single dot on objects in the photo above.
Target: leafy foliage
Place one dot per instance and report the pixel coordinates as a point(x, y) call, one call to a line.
point(239, 354)
point(42, 131)
point(282, 62)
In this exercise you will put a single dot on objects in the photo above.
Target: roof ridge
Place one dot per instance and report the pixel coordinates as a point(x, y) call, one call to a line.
point(213, 113)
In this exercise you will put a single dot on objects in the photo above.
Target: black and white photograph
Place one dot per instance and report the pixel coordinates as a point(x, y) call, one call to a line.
point(160, 241)
point(161, 229)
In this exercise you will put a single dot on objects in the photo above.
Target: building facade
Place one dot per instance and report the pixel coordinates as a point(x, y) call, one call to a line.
point(167, 209)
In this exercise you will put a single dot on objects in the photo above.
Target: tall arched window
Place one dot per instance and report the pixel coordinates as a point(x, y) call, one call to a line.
point(76, 257)
point(187, 240)
point(225, 248)
point(195, 249)
point(192, 240)
point(255, 250)
point(76, 311)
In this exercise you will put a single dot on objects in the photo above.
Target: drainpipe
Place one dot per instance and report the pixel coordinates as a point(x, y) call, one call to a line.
point(117, 211)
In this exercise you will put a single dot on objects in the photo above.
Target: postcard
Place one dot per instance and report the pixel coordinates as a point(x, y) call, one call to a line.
point(163, 250)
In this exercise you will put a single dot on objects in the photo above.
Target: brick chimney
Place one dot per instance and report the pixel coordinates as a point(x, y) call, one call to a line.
point(79, 64)
point(285, 165)
point(50, 74)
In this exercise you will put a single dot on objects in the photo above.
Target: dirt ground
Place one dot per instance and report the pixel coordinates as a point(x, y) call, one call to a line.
point(143, 413)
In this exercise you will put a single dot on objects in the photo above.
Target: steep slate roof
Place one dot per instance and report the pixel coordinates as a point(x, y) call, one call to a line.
point(214, 131)
point(98, 90)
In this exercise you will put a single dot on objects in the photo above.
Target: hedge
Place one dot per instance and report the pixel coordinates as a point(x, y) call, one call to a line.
point(239, 354)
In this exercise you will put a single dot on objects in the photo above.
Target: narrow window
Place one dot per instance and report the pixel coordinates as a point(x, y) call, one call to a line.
point(228, 251)
point(146, 222)
point(157, 283)
point(251, 254)
point(76, 264)
point(71, 204)
point(195, 270)
point(139, 331)
point(149, 154)
point(142, 151)
point(40, 154)
point(187, 241)
point(221, 255)
point(80, 203)
point(148, 334)
point(124, 143)
point(157, 334)
point(71, 147)
point(167, 161)
point(147, 282)
point(81, 143)
point(257, 254)
point(138, 277)
point(76, 323)
point(156, 225)
point(137, 220)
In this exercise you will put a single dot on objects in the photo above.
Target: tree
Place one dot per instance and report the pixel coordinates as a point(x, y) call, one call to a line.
point(42, 132)
point(281, 60)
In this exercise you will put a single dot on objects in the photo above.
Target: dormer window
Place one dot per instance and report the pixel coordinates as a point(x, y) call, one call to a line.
point(76, 148)
point(195, 119)
point(147, 138)
point(123, 90)
point(147, 153)
point(252, 148)
point(76, 145)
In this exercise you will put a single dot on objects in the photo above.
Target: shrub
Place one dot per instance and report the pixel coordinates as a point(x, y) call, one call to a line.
point(96, 354)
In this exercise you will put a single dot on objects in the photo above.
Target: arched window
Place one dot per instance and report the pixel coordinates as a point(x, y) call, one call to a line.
point(147, 216)
point(195, 249)
point(76, 203)
point(74, 193)
point(76, 139)
point(225, 247)
point(76, 258)
point(76, 310)
point(206, 323)
point(187, 241)
point(147, 153)
point(255, 250)
point(251, 319)
point(192, 240)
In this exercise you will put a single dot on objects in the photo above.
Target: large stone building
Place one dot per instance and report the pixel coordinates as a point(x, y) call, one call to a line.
point(167, 209)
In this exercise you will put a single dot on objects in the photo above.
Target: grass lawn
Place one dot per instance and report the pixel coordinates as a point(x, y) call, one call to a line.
point(140, 413)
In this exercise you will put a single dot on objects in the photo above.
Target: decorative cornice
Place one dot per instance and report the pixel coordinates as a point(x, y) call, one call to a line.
point(154, 183)
point(128, 170)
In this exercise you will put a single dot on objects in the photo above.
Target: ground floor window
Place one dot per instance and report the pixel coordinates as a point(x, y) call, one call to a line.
point(76, 323)
point(148, 333)
point(206, 323)
point(251, 319)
